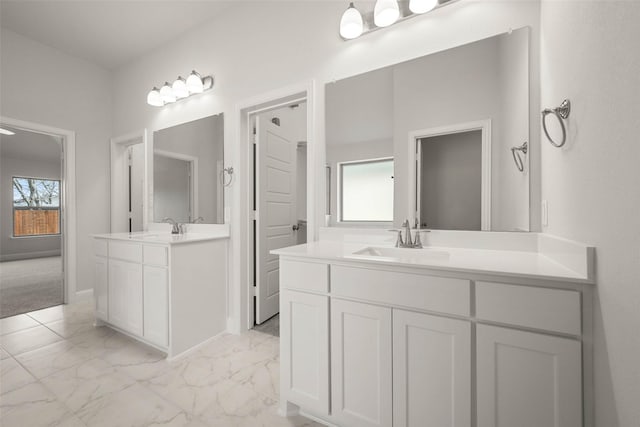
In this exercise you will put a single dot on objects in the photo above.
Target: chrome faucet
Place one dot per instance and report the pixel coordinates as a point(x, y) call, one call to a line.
point(408, 241)
point(175, 227)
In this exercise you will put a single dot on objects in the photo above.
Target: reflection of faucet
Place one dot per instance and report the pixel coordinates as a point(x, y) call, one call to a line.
point(175, 227)
point(198, 220)
point(408, 242)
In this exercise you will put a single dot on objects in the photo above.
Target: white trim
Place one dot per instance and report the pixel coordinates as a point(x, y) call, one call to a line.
point(31, 255)
point(485, 127)
point(84, 295)
point(193, 197)
point(240, 301)
point(68, 202)
point(118, 144)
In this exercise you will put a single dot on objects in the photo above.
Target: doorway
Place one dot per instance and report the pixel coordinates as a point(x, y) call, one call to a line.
point(38, 221)
point(128, 183)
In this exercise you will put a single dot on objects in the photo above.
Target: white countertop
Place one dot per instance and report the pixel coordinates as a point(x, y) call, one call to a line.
point(526, 264)
point(164, 238)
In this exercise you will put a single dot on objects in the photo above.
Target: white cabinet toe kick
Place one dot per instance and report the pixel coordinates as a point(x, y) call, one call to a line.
point(172, 297)
point(374, 346)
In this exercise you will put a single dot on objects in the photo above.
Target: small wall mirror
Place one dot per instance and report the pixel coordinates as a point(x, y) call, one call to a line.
point(187, 166)
point(430, 140)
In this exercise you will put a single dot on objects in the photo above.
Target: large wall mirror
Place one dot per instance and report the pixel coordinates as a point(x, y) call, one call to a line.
point(435, 140)
point(187, 165)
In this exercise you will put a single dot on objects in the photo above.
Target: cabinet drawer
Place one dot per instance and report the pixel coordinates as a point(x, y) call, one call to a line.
point(125, 251)
point(440, 294)
point(155, 255)
point(541, 308)
point(308, 276)
point(100, 247)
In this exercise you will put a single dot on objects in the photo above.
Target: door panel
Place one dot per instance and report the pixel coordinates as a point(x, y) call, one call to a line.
point(361, 364)
point(276, 189)
point(527, 379)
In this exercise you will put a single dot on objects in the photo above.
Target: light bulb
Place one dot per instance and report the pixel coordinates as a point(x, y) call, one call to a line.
point(179, 88)
point(194, 83)
point(154, 98)
point(351, 25)
point(385, 13)
point(422, 6)
point(167, 94)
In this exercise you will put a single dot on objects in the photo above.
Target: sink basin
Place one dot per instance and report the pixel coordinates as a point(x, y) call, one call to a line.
point(408, 255)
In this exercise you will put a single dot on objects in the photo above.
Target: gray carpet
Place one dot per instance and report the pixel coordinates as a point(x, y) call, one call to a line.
point(28, 285)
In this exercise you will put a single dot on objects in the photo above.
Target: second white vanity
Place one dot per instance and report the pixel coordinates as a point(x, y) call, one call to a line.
point(441, 336)
point(166, 290)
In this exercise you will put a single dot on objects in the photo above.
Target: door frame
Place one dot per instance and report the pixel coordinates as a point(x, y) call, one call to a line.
point(241, 316)
point(68, 200)
point(193, 178)
point(485, 185)
point(119, 179)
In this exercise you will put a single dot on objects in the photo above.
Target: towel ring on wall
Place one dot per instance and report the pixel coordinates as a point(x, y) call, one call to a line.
point(562, 113)
point(223, 177)
point(517, 158)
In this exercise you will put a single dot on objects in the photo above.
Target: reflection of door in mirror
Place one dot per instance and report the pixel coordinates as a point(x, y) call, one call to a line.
point(449, 181)
point(200, 143)
point(136, 186)
point(173, 177)
point(128, 177)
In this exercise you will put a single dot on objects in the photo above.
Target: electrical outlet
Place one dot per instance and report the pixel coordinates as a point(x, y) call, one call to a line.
point(545, 213)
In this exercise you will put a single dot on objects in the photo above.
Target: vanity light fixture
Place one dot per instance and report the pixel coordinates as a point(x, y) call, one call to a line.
point(385, 13)
point(422, 6)
point(179, 89)
point(166, 93)
point(351, 23)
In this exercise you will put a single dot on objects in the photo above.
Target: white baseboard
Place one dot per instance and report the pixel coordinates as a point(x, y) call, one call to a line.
point(29, 255)
point(84, 295)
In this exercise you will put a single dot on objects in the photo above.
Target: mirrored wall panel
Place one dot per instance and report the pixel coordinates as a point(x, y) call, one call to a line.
point(187, 165)
point(447, 122)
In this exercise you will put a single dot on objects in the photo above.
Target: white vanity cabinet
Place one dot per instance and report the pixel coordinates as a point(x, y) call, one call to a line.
point(409, 348)
point(171, 296)
point(361, 364)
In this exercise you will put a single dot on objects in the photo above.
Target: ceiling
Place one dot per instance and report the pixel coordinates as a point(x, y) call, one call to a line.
point(109, 33)
point(26, 145)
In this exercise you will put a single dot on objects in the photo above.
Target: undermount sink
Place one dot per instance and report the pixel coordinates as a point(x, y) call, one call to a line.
point(409, 255)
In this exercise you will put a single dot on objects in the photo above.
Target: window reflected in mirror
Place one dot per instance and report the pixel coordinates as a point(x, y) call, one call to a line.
point(366, 190)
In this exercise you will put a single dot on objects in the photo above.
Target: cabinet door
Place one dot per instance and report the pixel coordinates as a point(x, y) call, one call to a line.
point(431, 371)
point(125, 295)
point(304, 350)
point(360, 364)
point(156, 305)
point(527, 379)
point(101, 287)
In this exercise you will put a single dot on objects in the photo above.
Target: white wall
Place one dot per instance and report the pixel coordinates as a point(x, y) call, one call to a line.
point(590, 54)
point(43, 85)
point(17, 164)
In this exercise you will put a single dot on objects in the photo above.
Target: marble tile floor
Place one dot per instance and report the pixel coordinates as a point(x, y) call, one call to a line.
point(57, 369)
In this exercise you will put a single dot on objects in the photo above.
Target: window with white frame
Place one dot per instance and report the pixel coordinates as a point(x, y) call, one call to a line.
point(36, 207)
point(366, 190)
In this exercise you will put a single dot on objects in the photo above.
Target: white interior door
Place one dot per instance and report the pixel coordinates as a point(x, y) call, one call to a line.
point(276, 211)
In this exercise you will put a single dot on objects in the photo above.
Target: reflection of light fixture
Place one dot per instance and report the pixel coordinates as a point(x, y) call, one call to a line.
point(6, 132)
point(386, 12)
point(167, 93)
point(154, 98)
point(351, 24)
point(180, 89)
point(422, 6)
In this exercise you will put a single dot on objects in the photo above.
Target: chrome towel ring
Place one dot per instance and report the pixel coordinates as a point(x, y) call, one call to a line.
point(515, 152)
point(562, 113)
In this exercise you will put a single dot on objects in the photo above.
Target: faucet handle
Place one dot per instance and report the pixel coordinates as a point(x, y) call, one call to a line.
point(399, 241)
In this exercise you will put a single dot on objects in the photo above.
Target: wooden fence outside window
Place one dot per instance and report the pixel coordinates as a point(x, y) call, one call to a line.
point(34, 222)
